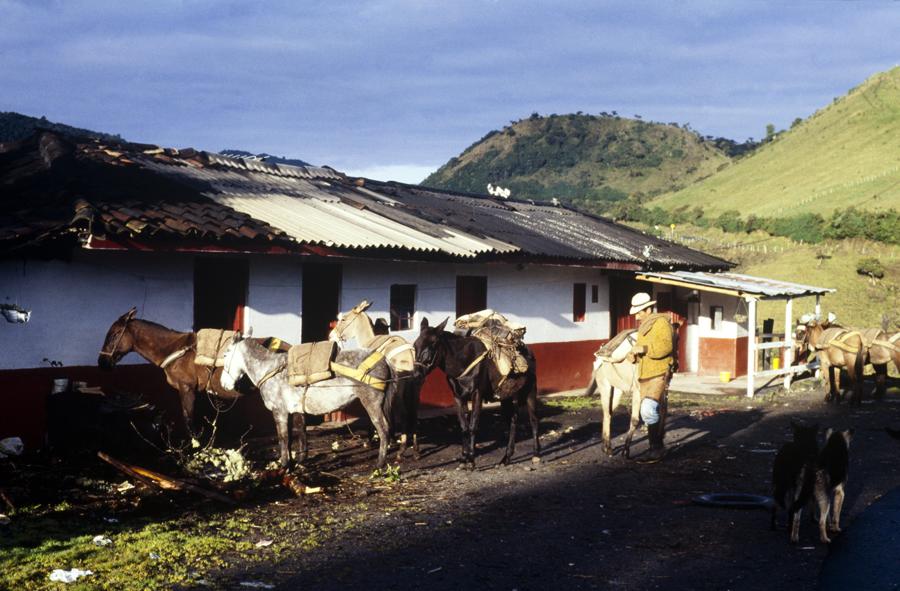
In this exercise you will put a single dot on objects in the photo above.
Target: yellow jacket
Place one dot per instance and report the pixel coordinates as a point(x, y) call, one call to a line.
point(656, 337)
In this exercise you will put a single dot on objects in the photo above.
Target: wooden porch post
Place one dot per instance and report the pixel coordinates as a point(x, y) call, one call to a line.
point(789, 339)
point(818, 306)
point(751, 345)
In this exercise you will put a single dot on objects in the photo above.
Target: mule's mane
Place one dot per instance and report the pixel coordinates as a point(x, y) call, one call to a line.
point(156, 326)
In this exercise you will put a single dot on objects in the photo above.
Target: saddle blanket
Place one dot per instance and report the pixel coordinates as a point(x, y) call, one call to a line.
point(609, 347)
point(211, 345)
point(309, 363)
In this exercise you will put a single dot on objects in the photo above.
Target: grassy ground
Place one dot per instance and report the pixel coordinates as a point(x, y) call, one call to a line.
point(164, 550)
point(845, 154)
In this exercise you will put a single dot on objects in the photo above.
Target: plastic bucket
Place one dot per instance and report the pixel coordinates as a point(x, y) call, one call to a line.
point(724, 376)
point(776, 362)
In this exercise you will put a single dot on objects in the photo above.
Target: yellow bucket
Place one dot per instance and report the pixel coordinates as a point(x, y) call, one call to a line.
point(776, 362)
point(724, 376)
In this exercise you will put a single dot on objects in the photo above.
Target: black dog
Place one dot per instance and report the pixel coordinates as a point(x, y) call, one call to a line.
point(794, 475)
point(831, 476)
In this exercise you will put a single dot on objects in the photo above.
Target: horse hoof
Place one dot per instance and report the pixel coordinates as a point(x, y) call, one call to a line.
point(535, 459)
point(504, 461)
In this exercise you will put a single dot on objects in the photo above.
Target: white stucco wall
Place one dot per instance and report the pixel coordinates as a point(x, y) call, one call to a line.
point(274, 298)
point(540, 297)
point(74, 303)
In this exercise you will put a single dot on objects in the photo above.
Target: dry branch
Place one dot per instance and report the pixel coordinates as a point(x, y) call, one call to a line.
point(151, 478)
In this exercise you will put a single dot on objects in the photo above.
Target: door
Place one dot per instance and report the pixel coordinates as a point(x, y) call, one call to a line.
point(320, 300)
point(220, 293)
point(621, 290)
point(669, 303)
point(471, 294)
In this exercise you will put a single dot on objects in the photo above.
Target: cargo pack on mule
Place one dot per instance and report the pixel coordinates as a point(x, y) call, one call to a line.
point(356, 325)
point(310, 363)
point(211, 346)
point(502, 340)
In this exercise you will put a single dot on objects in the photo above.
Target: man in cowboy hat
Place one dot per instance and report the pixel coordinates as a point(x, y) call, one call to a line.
point(654, 350)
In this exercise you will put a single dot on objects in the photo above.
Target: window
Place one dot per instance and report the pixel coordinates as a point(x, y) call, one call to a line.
point(471, 294)
point(715, 316)
point(579, 302)
point(220, 293)
point(595, 294)
point(403, 306)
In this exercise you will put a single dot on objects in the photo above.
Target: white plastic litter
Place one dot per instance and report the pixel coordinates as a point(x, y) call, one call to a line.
point(11, 446)
point(101, 540)
point(263, 543)
point(69, 576)
point(257, 585)
point(4, 520)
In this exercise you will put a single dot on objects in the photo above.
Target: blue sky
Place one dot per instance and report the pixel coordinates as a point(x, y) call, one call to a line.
point(394, 88)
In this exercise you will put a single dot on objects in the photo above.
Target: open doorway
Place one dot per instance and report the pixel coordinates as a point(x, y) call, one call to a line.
point(471, 294)
point(321, 300)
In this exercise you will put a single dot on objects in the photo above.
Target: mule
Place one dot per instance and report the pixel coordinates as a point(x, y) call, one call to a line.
point(356, 326)
point(836, 347)
point(474, 378)
point(613, 376)
point(171, 351)
point(880, 351)
point(267, 371)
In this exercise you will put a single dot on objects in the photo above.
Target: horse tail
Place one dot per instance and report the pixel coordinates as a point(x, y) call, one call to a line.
point(592, 386)
point(860, 362)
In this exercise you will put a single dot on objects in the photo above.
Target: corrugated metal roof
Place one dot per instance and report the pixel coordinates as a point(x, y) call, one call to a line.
point(746, 284)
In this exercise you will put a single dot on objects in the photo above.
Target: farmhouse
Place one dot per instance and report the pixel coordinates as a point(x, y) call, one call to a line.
point(193, 239)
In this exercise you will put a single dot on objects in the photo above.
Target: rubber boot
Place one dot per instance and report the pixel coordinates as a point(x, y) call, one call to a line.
point(657, 449)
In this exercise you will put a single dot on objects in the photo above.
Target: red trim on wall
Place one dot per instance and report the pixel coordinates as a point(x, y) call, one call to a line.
point(717, 355)
point(25, 393)
point(25, 396)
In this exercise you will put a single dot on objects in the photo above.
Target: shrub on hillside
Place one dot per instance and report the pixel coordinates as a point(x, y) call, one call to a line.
point(730, 221)
point(871, 267)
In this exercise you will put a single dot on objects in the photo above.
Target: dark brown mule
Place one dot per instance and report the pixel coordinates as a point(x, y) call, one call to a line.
point(474, 378)
point(880, 351)
point(173, 352)
point(836, 348)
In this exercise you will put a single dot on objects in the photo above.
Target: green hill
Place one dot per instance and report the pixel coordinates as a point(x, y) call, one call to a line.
point(846, 154)
point(582, 158)
point(15, 126)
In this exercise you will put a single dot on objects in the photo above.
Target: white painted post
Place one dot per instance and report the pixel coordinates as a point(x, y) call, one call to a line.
point(818, 306)
point(789, 340)
point(751, 345)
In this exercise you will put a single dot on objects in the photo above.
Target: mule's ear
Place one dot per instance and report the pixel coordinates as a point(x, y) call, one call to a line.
point(130, 313)
point(249, 332)
point(424, 324)
point(237, 337)
point(441, 326)
point(828, 433)
point(848, 435)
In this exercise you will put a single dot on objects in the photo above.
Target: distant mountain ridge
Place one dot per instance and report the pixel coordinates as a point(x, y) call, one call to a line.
point(263, 157)
point(847, 154)
point(15, 127)
point(591, 160)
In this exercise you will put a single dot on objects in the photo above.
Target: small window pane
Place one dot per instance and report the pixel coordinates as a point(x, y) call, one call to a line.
point(595, 294)
point(403, 306)
point(715, 315)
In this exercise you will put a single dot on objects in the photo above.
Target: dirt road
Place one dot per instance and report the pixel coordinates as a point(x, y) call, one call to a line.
point(578, 520)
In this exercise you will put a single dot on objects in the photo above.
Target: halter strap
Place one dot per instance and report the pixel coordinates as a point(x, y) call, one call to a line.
point(473, 364)
point(173, 356)
point(269, 375)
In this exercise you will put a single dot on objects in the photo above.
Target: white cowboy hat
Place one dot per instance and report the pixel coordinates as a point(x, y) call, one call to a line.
point(639, 301)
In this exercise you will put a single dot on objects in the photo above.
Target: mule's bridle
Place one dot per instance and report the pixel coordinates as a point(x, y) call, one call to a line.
point(112, 354)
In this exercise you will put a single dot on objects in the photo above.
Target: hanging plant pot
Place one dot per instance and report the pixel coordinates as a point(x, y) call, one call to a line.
point(15, 314)
point(740, 318)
